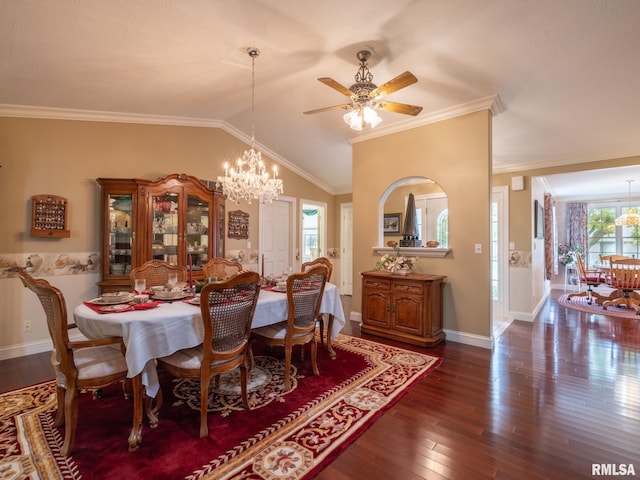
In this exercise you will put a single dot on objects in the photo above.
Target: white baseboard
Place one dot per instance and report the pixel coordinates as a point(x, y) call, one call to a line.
point(31, 348)
point(13, 351)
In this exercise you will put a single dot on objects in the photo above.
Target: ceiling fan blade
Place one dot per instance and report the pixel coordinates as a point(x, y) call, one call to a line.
point(344, 106)
point(398, 108)
point(403, 80)
point(330, 82)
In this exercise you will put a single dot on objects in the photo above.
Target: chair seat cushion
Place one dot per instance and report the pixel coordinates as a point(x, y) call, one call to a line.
point(592, 279)
point(189, 359)
point(276, 331)
point(95, 362)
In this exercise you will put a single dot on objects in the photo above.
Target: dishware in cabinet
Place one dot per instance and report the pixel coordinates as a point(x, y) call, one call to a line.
point(119, 233)
point(175, 218)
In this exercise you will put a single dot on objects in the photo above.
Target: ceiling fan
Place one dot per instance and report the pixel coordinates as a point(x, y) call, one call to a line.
point(366, 97)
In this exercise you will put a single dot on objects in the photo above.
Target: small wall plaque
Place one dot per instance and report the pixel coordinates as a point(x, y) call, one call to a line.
point(49, 216)
point(238, 224)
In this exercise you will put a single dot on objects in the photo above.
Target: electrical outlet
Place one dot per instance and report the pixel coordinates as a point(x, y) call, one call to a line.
point(27, 325)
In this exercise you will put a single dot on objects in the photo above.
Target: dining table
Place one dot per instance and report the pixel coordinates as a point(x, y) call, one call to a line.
point(151, 333)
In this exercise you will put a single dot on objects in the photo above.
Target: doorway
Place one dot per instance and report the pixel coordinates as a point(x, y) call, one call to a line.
point(314, 230)
point(499, 260)
point(346, 249)
point(277, 227)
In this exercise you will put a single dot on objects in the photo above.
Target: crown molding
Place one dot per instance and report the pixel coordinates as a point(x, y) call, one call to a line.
point(492, 103)
point(560, 161)
point(51, 113)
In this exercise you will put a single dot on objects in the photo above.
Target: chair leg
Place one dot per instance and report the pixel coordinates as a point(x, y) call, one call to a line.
point(204, 404)
point(243, 386)
point(71, 419)
point(321, 327)
point(59, 420)
point(314, 357)
point(287, 367)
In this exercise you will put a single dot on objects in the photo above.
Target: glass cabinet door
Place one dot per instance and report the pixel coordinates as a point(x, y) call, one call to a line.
point(197, 238)
point(120, 228)
point(165, 227)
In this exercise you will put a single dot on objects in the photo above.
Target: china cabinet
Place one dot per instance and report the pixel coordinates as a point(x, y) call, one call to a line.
point(405, 308)
point(176, 218)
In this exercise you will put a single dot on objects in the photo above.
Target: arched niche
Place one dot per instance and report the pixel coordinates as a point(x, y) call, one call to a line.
point(430, 197)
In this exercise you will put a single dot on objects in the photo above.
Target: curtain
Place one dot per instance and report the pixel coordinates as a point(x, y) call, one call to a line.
point(549, 237)
point(576, 226)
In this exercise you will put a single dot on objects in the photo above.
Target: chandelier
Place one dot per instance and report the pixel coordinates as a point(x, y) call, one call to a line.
point(250, 179)
point(629, 219)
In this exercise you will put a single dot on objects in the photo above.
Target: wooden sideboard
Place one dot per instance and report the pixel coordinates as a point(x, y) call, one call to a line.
point(407, 308)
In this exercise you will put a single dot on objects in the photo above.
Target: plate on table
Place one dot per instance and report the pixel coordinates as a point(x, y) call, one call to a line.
point(194, 301)
point(116, 300)
point(170, 295)
point(115, 308)
point(279, 289)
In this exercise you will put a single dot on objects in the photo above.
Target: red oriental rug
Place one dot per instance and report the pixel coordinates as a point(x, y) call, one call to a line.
point(292, 435)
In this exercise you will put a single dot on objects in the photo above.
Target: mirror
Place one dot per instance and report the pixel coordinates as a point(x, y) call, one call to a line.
point(432, 212)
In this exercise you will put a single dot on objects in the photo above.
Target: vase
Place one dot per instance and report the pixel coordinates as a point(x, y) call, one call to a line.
point(401, 271)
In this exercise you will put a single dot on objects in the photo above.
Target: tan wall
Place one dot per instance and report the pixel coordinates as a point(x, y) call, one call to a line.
point(456, 154)
point(65, 157)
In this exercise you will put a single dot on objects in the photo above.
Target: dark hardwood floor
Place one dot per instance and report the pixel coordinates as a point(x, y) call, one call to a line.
point(554, 397)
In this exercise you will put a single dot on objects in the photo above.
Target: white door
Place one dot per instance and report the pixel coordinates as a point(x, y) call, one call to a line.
point(499, 259)
point(346, 249)
point(276, 227)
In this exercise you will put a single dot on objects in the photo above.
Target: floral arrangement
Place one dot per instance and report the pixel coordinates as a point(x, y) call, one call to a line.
point(395, 262)
point(567, 254)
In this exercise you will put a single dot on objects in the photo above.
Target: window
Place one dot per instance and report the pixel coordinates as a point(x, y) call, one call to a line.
point(607, 239)
point(313, 230)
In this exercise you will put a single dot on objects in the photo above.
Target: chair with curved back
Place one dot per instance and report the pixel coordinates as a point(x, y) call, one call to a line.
point(227, 313)
point(88, 364)
point(625, 277)
point(222, 268)
point(304, 296)
point(589, 277)
point(156, 273)
point(308, 265)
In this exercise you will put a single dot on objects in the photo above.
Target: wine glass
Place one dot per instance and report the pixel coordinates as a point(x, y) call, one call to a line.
point(140, 285)
point(172, 280)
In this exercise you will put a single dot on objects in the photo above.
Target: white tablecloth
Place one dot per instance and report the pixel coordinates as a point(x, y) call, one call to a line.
point(158, 332)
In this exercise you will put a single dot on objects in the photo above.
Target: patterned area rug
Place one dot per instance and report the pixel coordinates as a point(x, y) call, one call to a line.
point(284, 436)
point(580, 303)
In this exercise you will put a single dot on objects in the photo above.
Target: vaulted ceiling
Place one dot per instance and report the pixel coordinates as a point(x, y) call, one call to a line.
point(562, 74)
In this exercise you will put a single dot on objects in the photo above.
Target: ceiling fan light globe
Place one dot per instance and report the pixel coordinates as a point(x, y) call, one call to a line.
point(353, 119)
point(371, 117)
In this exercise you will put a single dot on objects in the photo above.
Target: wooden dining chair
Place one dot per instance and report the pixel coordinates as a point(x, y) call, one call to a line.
point(227, 314)
point(304, 296)
point(79, 365)
point(221, 268)
point(156, 273)
point(625, 276)
point(589, 277)
point(308, 265)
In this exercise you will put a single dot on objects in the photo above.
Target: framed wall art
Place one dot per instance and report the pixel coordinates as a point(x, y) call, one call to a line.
point(238, 224)
point(391, 223)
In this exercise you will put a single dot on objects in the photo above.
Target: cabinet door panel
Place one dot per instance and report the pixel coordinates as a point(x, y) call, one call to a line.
point(408, 314)
point(165, 227)
point(377, 309)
